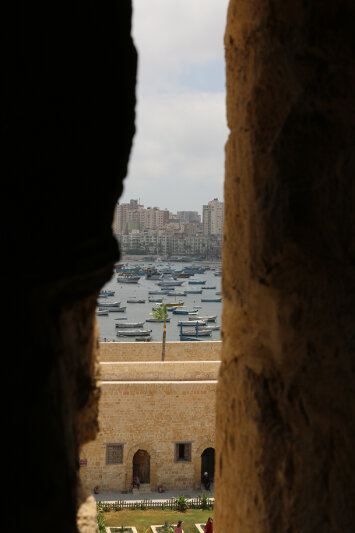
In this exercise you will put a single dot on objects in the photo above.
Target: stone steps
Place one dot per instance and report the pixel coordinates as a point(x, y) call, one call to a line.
point(143, 489)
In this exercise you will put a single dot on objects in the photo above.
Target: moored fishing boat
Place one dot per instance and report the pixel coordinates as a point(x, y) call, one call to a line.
point(198, 332)
point(209, 318)
point(156, 320)
point(212, 287)
point(190, 282)
point(135, 301)
point(211, 299)
point(134, 333)
point(197, 291)
point(129, 324)
point(106, 292)
point(170, 283)
point(114, 309)
point(109, 304)
point(128, 279)
point(102, 312)
point(157, 300)
point(192, 322)
point(178, 311)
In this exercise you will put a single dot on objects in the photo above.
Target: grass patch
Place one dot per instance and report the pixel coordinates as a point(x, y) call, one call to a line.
point(144, 519)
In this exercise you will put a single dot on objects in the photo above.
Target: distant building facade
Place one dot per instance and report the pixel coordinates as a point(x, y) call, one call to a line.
point(212, 217)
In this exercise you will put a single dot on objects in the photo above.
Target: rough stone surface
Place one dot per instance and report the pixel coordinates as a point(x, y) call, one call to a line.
point(67, 107)
point(285, 399)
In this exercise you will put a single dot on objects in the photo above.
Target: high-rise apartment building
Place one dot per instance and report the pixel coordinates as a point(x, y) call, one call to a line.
point(212, 217)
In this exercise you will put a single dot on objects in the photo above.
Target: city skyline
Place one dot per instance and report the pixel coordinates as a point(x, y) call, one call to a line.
point(178, 148)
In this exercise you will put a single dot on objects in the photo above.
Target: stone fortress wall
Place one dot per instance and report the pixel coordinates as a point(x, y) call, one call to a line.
point(150, 405)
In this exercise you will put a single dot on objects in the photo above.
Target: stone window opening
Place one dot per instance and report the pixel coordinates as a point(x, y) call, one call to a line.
point(183, 452)
point(114, 454)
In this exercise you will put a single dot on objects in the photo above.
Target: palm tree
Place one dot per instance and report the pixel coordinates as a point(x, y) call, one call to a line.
point(161, 314)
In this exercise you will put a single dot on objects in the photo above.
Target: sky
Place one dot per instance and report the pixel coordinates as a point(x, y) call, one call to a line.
point(177, 159)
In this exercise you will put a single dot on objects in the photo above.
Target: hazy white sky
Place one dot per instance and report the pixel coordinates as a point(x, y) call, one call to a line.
point(177, 159)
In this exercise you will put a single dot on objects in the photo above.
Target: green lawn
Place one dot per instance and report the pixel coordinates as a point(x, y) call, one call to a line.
point(143, 519)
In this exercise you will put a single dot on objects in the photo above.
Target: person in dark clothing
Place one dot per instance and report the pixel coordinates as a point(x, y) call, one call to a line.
point(206, 481)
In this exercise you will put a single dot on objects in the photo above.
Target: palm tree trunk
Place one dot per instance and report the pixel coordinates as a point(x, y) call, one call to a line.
point(163, 347)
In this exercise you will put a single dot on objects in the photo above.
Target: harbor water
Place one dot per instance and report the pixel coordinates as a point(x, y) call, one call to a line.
point(139, 312)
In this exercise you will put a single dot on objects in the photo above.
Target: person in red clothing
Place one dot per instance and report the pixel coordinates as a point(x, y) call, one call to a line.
point(209, 526)
point(178, 528)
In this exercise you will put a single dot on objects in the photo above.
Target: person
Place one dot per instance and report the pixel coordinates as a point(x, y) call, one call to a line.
point(178, 528)
point(136, 482)
point(96, 489)
point(209, 526)
point(206, 481)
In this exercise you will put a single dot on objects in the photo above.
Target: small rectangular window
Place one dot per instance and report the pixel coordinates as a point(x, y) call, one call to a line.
point(182, 452)
point(114, 454)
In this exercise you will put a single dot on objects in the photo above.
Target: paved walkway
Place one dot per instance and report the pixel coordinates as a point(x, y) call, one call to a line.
point(104, 496)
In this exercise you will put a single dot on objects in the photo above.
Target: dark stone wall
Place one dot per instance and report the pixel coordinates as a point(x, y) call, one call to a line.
point(285, 400)
point(67, 108)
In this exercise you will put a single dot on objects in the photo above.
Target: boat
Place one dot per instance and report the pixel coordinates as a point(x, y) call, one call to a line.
point(134, 333)
point(176, 293)
point(209, 318)
point(156, 320)
point(135, 301)
point(197, 306)
point(192, 322)
point(211, 299)
point(105, 292)
point(157, 300)
point(198, 332)
point(184, 312)
point(190, 282)
point(218, 274)
point(210, 287)
point(128, 279)
point(129, 324)
point(110, 304)
point(198, 291)
point(213, 328)
point(170, 283)
point(169, 304)
point(102, 312)
point(145, 338)
point(183, 338)
point(162, 291)
point(218, 293)
point(114, 309)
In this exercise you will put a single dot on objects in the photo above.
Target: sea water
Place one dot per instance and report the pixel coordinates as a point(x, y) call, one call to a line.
point(139, 312)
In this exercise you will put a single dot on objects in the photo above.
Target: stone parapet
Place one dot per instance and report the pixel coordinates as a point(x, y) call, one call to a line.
point(151, 351)
point(159, 370)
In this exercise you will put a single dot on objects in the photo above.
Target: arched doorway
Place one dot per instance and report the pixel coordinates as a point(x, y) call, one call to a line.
point(207, 462)
point(141, 466)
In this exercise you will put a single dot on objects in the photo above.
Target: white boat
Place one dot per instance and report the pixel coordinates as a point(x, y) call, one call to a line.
point(209, 318)
point(192, 322)
point(103, 312)
point(156, 300)
point(134, 333)
point(135, 301)
point(199, 333)
point(129, 324)
point(110, 304)
point(114, 309)
point(156, 320)
point(170, 283)
point(145, 338)
point(210, 287)
point(213, 328)
point(128, 279)
point(176, 293)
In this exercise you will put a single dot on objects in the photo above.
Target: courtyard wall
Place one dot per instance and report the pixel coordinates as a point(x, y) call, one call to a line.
point(152, 406)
